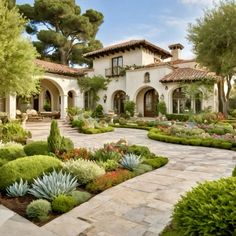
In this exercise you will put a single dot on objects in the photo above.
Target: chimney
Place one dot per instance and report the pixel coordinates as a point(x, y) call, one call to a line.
point(176, 51)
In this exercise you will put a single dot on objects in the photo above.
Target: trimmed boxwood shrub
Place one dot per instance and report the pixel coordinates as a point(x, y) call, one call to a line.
point(11, 152)
point(139, 150)
point(156, 162)
point(97, 130)
point(26, 168)
point(208, 209)
point(179, 117)
point(36, 148)
point(63, 203)
point(132, 127)
point(80, 197)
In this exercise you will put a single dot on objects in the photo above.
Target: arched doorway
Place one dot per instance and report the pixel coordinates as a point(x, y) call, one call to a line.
point(150, 103)
point(119, 102)
point(146, 101)
point(47, 106)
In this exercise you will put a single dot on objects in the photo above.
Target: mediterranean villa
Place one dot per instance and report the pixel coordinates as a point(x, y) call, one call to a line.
point(138, 70)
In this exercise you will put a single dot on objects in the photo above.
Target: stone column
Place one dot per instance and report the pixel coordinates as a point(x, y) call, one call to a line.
point(64, 106)
point(11, 106)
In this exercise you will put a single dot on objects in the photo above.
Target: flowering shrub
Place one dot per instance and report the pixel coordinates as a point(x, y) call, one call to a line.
point(108, 180)
point(76, 153)
point(84, 170)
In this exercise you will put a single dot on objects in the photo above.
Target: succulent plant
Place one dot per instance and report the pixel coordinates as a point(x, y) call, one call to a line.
point(130, 161)
point(18, 189)
point(52, 185)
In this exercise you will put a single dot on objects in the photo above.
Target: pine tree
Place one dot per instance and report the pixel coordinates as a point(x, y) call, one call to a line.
point(67, 33)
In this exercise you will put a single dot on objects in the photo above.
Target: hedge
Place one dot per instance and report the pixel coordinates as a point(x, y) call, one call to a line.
point(10, 153)
point(26, 168)
point(36, 148)
point(179, 117)
point(190, 141)
point(97, 130)
point(132, 127)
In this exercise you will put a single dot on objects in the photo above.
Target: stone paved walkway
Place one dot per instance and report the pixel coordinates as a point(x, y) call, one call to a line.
point(141, 206)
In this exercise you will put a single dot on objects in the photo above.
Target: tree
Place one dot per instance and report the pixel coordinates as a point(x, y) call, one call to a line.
point(17, 55)
point(64, 34)
point(54, 138)
point(11, 3)
point(213, 38)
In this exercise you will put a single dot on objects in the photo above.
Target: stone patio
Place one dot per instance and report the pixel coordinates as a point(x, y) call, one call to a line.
point(138, 207)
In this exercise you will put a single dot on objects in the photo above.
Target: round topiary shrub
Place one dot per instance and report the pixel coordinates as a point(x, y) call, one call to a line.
point(208, 209)
point(38, 209)
point(63, 203)
point(36, 148)
point(26, 168)
point(80, 197)
point(11, 152)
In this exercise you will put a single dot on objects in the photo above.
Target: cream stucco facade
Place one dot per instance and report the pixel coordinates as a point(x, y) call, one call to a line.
point(145, 67)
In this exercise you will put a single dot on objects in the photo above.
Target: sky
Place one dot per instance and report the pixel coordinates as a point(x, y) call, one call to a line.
point(162, 22)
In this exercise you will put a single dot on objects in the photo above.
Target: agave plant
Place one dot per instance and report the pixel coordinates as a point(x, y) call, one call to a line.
point(130, 161)
point(18, 189)
point(52, 185)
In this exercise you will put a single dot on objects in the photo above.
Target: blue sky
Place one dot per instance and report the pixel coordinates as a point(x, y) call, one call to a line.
point(162, 22)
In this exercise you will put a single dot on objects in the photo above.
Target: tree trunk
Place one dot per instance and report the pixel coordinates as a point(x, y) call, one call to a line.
point(63, 56)
point(221, 97)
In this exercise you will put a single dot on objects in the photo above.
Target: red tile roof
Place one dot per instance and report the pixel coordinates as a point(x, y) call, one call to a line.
point(128, 45)
point(59, 68)
point(187, 74)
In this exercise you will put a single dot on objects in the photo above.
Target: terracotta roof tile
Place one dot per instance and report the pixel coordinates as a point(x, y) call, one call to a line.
point(59, 68)
point(187, 74)
point(127, 45)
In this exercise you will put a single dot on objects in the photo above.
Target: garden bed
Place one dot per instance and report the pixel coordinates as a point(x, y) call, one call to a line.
point(45, 179)
point(219, 135)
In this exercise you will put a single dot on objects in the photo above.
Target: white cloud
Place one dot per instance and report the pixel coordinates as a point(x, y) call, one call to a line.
point(206, 3)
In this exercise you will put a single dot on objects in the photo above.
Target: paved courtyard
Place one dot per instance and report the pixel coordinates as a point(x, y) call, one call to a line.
point(139, 207)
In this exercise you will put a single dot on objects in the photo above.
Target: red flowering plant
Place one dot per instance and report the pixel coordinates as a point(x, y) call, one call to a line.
point(108, 180)
point(75, 154)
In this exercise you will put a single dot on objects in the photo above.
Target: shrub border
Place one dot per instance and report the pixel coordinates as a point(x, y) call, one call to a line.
point(132, 127)
point(158, 136)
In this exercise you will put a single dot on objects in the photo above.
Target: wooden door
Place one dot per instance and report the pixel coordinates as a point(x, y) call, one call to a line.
point(150, 103)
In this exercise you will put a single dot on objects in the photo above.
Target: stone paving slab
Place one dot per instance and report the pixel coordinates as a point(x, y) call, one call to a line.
point(140, 206)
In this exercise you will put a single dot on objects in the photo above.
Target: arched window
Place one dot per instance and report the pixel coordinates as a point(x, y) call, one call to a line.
point(182, 104)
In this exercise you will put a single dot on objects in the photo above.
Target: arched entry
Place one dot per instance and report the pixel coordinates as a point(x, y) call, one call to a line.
point(150, 103)
point(47, 106)
point(146, 101)
point(119, 102)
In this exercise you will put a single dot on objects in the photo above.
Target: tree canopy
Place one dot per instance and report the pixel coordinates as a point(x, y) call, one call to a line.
point(64, 33)
point(213, 37)
point(17, 55)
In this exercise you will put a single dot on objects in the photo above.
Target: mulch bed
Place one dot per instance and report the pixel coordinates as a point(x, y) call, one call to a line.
point(20, 204)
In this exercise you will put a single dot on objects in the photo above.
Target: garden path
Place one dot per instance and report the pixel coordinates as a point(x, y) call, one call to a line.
point(140, 206)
